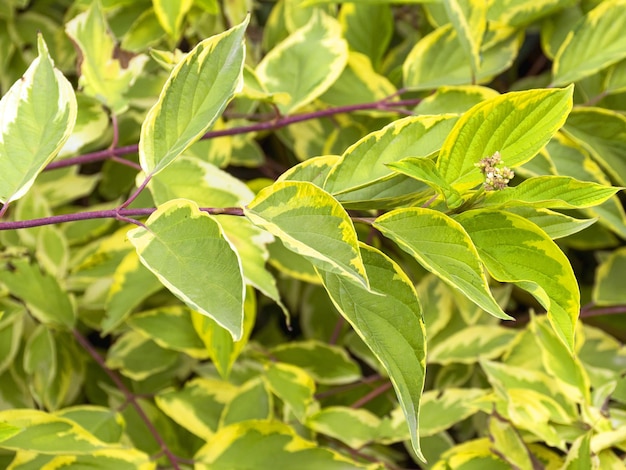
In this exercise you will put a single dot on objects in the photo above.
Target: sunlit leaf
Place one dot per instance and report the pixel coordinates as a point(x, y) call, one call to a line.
point(306, 63)
point(194, 96)
point(310, 222)
point(37, 116)
point(515, 250)
point(187, 250)
point(516, 124)
point(443, 247)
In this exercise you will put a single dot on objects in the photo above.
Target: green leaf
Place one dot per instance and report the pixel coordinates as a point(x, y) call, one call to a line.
point(273, 445)
point(194, 96)
point(516, 250)
point(533, 397)
point(516, 124)
point(508, 444)
point(253, 400)
point(105, 459)
point(305, 64)
point(102, 76)
point(138, 357)
point(424, 170)
point(579, 456)
point(198, 405)
point(358, 83)
point(221, 347)
point(354, 427)
point(365, 162)
point(518, 13)
point(390, 322)
point(104, 423)
point(37, 116)
point(132, 284)
point(171, 15)
point(202, 182)
point(442, 246)
point(595, 43)
point(170, 328)
point(469, 19)
point(251, 244)
point(473, 454)
point(326, 363)
point(358, 20)
point(314, 170)
point(6, 431)
point(602, 133)
point(310, 222)
point(11, 328)
point(437, 60)
point(471, 344)
point(48, 434)
point(607, 289)
point(552, 192)
point(44, 296)
point(554, 224)
point(441, 409)
point(454, 99)
point(293, 385)
point(186, 249)
point(561, 363)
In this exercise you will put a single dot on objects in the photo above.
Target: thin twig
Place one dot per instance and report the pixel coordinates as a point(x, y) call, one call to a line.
point(602, 311)
point(370, 396)
point(383, 105)
point(129, 396)
point(106, 214)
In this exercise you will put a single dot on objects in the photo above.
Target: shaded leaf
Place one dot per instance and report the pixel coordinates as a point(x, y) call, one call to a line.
point(326, 363)
point(273, 445)
point(390, 322)
point(101, 74)
point(596, 42)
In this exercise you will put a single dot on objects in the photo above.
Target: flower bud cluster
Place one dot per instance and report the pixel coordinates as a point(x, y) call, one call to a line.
point(495, 178)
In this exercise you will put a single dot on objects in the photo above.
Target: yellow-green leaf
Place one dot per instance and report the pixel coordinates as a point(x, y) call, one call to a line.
point(306, 63)
point(389, 321)
point(310, 222)
point(189, 253)
point(194, 96)
point(516, 124)
point(596, 42)
point(101, 74)
point(443, 247)
point(37, 116)
point(516, 250)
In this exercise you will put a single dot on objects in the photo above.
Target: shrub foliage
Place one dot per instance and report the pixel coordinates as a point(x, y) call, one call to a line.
point(307, 234)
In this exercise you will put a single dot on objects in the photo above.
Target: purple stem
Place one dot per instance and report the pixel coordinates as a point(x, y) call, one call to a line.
point(370, 396)
point(106, 214)
point(129, 396)
point(383, 105)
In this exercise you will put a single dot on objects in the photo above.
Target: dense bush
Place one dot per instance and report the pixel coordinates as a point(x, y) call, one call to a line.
point(230, 230)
